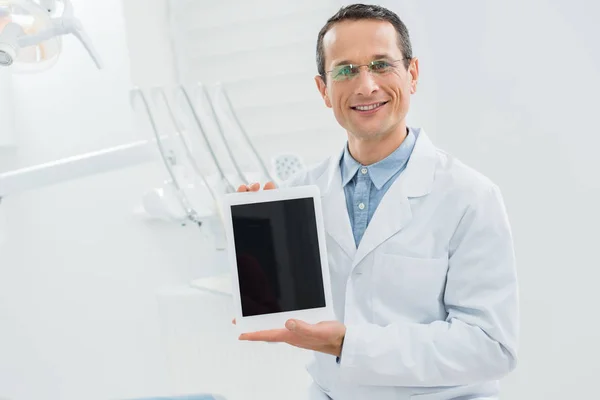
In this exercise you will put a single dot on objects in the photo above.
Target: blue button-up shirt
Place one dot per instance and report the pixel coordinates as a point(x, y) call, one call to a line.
point(365, 185)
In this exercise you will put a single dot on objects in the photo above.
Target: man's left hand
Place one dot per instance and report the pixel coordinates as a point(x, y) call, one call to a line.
point(325, 337)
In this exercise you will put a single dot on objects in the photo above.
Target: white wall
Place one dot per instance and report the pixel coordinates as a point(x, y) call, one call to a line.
point(149, 42)
point(509, 87)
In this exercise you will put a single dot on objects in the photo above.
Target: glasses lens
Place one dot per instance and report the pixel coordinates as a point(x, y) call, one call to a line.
point(343, 72)
point(380, 66)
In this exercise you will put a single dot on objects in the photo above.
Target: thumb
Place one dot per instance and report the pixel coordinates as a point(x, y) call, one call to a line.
point(299, 327)
point(270, 185)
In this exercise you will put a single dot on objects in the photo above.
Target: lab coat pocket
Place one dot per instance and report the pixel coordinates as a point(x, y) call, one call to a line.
point(408, 288)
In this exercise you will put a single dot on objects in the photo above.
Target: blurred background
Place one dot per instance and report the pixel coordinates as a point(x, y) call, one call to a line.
point(95, 301)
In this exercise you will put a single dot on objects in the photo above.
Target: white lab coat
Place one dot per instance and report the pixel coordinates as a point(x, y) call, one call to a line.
point(430, 296)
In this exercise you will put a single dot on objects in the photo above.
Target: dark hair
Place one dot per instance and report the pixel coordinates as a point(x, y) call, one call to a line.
point(355, 12)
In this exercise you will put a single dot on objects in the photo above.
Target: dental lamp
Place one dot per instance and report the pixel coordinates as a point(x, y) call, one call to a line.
point(31, 31)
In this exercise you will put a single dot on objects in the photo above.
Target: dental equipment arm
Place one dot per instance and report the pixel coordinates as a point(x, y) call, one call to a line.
point(13, 38)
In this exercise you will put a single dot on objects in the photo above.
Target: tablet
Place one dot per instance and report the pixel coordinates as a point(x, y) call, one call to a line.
point(277, 256)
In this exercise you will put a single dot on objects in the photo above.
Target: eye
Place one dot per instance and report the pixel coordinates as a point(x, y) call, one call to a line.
point(380, 66)
point(344, 71)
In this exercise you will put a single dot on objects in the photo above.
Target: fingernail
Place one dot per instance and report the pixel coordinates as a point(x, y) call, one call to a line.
point(291, 325)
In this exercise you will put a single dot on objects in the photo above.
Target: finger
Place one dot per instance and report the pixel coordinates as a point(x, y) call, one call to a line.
point(255, 187)
point(300, 327)
point(269, 186)
point(233, 321)
point(274, 335)
point(261, 336)
point(243, 188)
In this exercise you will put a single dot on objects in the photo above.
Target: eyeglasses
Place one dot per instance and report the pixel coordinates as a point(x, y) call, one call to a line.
point(348, 71)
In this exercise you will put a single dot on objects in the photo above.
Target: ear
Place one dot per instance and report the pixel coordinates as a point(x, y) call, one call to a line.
point(322, 86)
point(413, 70)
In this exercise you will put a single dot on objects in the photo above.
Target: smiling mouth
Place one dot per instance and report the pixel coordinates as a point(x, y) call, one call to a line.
point(370, 107)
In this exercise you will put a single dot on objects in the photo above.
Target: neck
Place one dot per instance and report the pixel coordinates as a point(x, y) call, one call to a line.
point(372, 150)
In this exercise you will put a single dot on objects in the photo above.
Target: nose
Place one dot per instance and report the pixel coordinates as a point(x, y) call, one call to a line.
point(366, 84)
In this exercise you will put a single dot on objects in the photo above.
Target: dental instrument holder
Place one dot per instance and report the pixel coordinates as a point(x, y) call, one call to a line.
point(229, 188)
point(167, 157)
point(230, 110)
point(214, 223)
point(180, 128)
point(236, 166)
point(160, 93)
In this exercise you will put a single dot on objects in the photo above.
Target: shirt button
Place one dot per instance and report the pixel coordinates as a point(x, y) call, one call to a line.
point(361, 206)
point(364, 171)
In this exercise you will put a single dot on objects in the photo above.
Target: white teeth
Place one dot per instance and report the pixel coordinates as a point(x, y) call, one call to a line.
point(368, 108)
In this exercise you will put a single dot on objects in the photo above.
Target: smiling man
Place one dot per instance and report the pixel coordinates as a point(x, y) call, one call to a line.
point(419, 245)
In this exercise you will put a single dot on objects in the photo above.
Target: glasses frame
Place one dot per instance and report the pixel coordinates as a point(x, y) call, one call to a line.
point(369, 65)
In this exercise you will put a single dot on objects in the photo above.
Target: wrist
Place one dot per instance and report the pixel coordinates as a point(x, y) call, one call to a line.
point(340, 343)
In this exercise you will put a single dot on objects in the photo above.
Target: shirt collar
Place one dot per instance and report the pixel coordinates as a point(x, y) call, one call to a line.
point(349, 166)
point(382, 171)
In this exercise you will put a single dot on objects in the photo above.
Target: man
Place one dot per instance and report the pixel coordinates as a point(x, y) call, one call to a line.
point(420, 250)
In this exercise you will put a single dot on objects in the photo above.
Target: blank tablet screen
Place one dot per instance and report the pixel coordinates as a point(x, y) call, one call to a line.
point(278, 259)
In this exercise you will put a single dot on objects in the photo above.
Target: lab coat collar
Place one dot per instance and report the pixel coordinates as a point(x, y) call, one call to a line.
point(393, 212)
point(417, 178)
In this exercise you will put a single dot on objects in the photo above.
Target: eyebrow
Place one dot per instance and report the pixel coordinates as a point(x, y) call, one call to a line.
point(343, 62)
point(375, 57)
point(381, 56)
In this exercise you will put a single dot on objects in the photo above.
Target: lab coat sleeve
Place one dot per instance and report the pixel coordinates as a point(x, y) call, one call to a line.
point(478, 340)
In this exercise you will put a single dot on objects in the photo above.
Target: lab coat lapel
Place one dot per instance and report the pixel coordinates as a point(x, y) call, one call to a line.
point(394, 211)
point(392, 214)
point(335, 211)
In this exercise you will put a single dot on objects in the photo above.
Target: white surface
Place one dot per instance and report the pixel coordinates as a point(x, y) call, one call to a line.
point(277, 320)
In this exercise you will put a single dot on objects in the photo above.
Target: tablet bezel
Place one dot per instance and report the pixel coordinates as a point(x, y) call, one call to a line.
point(277, 320)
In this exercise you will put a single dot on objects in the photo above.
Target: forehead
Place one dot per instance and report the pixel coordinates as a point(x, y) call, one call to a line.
point(358, 41)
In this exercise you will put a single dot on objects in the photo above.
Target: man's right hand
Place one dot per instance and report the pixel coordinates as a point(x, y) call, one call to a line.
point(255, 187)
